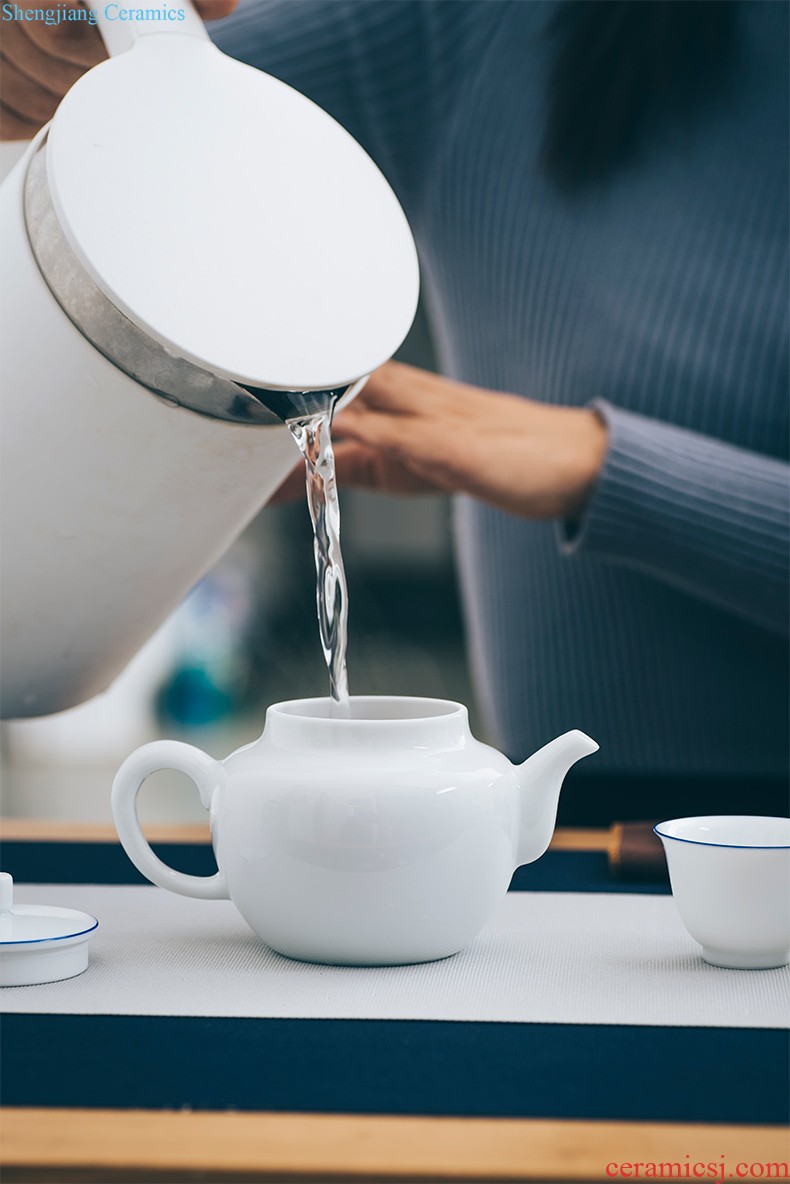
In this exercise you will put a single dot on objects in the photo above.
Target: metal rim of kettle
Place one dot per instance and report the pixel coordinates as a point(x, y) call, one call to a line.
point(173, 378)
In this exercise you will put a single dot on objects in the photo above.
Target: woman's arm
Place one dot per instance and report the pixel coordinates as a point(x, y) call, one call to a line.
point(524, 457)
point(691, 511)
point(705, 516)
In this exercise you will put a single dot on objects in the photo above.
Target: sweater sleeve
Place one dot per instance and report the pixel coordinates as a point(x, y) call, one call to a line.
point(702, 515)
point(387, 70)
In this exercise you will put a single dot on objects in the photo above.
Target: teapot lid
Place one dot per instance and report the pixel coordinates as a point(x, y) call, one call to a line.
point(230, 218)
point(40, 943)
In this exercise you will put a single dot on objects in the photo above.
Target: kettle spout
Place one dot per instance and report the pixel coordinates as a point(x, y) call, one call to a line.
point(540, 779)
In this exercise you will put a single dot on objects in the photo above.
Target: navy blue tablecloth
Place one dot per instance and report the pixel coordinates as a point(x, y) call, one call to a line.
point(583, 1071)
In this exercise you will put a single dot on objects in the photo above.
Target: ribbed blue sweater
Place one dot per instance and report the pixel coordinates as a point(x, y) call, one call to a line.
point(656, 624)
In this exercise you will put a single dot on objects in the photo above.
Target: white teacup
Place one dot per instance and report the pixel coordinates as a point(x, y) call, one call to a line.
point(730, 878)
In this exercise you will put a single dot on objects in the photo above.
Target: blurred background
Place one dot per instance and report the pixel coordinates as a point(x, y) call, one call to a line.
point(247, 636)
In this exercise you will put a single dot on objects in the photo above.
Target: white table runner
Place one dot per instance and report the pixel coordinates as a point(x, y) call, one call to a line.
point(546, 957)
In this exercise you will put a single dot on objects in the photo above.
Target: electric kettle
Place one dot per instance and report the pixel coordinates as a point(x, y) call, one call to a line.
point(187, 244)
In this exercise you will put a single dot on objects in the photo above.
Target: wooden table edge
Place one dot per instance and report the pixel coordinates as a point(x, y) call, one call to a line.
point(44, 830)
point(223, 1146)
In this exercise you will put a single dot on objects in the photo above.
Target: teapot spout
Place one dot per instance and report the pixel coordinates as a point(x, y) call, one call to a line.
point(540, 779)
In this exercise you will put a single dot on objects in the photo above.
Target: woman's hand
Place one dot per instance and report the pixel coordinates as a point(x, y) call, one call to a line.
point(41, 62)
point(410, 431)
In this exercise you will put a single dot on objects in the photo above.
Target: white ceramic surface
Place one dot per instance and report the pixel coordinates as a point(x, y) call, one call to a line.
point(40, 943)
point(730, 878)
point(274, 252)
point(385, 838)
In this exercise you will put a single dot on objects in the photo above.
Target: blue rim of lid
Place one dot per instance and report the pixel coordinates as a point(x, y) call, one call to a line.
point(37, 941)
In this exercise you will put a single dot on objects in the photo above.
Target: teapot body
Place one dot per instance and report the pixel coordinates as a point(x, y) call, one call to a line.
point(381, 839)
point(366, 855)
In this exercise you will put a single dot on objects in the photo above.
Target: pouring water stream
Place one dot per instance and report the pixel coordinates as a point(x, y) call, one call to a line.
point(313, 435)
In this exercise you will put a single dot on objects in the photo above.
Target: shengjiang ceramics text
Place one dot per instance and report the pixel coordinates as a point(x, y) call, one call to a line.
point(62, 13)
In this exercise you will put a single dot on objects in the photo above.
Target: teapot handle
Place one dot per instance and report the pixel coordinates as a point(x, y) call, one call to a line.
point(207, 775)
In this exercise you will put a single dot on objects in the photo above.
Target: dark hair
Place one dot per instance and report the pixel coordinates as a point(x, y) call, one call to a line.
point(619, 66)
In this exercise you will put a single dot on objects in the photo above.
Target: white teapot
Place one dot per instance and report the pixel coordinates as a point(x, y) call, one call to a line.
point(384, 838)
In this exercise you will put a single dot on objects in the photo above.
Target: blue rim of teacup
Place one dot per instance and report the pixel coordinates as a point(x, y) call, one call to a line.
point(730, 846)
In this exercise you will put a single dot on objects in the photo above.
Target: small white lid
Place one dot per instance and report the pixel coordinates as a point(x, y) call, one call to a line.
point(230, 218)
point(40, 943)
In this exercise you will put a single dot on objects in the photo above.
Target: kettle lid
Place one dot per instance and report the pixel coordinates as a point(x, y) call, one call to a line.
point(230, 218)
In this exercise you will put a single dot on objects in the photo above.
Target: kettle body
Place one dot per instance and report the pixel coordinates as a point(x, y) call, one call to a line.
point(113, 500)
point(134, 347)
